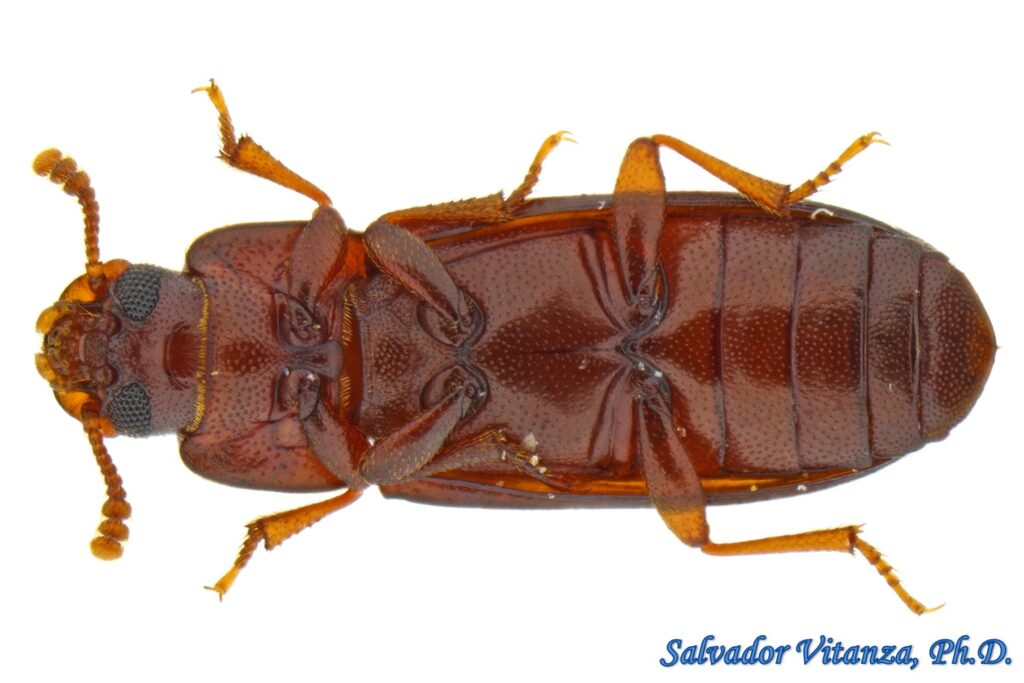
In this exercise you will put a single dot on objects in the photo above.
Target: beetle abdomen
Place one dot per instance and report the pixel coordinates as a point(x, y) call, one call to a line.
point(931, 345)
point(797, 345)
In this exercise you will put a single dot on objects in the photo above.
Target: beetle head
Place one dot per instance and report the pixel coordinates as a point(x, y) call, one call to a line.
point(127, 345)
point(122, 350)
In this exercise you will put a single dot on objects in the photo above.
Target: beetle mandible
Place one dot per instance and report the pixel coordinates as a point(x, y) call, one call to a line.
point(647, 347)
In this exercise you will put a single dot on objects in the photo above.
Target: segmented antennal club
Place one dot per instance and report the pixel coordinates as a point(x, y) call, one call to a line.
point(63, 170)
point(112, 530)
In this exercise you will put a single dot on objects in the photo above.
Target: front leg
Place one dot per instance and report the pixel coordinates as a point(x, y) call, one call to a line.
point(273, 530)
point(317, 256)
point(345, 452)
point(338, 446)
point(320, 250)
point(244, 154)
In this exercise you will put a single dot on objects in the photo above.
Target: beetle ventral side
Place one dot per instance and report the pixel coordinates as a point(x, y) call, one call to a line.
point(640, 348)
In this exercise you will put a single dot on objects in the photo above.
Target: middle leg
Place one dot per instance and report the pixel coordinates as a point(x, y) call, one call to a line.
point(427, 221)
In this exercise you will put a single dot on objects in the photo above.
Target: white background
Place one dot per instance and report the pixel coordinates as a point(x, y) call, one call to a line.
point(397, 106)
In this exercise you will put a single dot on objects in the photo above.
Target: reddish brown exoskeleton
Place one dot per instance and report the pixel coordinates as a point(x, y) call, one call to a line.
point(645, 347)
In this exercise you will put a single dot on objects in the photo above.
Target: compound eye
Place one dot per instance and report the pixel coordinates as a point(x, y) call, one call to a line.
point(130, 412)
point(138, 290)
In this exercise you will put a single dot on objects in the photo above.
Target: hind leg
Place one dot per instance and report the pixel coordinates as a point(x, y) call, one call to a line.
point(773, 197)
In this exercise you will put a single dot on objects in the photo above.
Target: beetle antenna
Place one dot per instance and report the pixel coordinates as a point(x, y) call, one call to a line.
point(112, 530)
point(63, 170)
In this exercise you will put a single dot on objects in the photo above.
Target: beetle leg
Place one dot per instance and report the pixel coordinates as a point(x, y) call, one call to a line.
point(426, 221)
point(811, 186)
point(420, 448)
point(773, 197)
point(407, 258)
point(486, 448)
point(244, 154)
point(639, 201)
point(844, 539)
point(515, 201)
point(275, 529)
point(317, 255)
point(336, 444)
point(672, 481)
point(639, 215)
point(400, 455)
point(413, 452)
point(675, 490)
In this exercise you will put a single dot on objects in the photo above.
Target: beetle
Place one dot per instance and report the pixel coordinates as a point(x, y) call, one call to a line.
point(641, 348)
